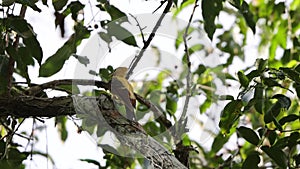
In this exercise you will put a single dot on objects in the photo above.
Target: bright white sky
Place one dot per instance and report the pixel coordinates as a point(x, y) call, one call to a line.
point(66, 155)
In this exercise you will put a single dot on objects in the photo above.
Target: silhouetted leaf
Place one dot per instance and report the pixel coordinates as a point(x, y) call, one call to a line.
point(272, 135)
point(219, 142)
point(21, 26)
point(82, 59)
point(34, 48)
point(243, 79)
point(91, 161)
point(283, 102)
point(226, 97)
point(74, 8)
point(122, 34)
point(277, 155)
point(210, 10)
point(55, 62)
point(171, 103)
point(115, 13)
point(248, 134)
point(29, 3)
point(289, 118)
point(207, 103)
point(245, 11)
point(60, 122)
point(258, 96)
point(292, 74)
point(251, 161)
point(3, 73)
point(230, 115)
point(59, 4)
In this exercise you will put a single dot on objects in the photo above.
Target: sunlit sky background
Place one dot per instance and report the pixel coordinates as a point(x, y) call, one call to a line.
point(82, 146)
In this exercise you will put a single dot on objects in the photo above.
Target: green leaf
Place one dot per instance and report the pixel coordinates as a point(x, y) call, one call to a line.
point(297, 88)
point(245, 11)
point(122, 34)
point(106, 73)
point(59, 4)
point(219, 142)
point(21, 26)
point(251, 161)
point(82, 59)
point(253, 74)
point(283, 102)
point(60, 122)
point(207, 103)
point(226, 97)
point(289, 118)
point(270, 82)
point(104, 36)
point(155, 97)
point(293, 140)
point(45, 2)
point(34, 48)
point(3, 73)
point(230, 115)
point(171, 103)
point(24, 29)
point(14, 159)
point(91, 161)
point(201, 69)
point(272, 135)
point(30, 3)
point(291, 73)
point(280, 36)
point(249, 135)
point(74, 8)
point(277, 155)
point(243, 79)
point(7, 2)
point(259, 100)
point(210, 10)
point(115, 13)
point(183, 5)
point(55, 62)
point(261, 64)
point(192, 49)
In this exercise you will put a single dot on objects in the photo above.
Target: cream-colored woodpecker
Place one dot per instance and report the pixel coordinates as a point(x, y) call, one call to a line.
point(122, 89)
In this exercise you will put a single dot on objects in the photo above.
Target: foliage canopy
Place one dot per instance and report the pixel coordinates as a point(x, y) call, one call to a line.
point(258, 124)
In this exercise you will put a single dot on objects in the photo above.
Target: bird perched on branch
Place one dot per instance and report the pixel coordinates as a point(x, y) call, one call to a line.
point(123, 91)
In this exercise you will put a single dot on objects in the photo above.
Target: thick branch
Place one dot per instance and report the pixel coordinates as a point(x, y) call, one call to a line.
point(53, 84)
point(100, 108)
point(29, 106)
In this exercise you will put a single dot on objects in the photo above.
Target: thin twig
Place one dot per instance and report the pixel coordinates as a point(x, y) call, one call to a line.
point(188, 77)
point(140, 28)
point(161, 4)
point(137, 58)
point(9, 139)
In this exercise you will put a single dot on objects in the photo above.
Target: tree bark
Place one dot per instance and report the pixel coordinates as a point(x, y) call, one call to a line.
point(129, 133)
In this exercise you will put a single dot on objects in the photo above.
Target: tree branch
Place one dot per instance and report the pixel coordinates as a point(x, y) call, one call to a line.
point(130, 133)
point(137, 58)
point(52, 84)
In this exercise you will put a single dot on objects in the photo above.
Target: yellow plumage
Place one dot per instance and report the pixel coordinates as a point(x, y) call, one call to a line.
point(121, 88)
